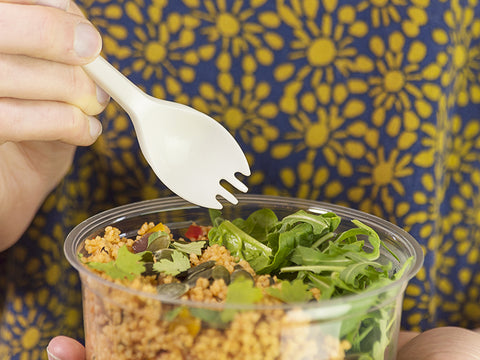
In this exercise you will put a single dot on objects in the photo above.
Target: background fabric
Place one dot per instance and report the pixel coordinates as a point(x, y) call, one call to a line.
point(372, 104)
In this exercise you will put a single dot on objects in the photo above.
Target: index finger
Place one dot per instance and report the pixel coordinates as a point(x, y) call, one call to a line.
point(59, 4)
point(47, 33)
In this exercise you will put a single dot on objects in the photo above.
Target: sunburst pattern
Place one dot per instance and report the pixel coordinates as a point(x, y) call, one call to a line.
point(371, 104)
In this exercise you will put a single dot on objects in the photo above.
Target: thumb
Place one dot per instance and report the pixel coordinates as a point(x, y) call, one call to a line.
point(443, 343)
point(65, 348)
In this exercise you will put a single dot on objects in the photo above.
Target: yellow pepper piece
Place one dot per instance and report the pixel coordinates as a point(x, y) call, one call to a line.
point(158, 227)
point(184, 318)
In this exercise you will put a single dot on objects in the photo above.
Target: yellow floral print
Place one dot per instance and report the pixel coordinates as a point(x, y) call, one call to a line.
point(372, 104)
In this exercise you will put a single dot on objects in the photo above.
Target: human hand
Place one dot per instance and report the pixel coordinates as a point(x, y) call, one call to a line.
point(47, 103)
point(65, 348)
point(443, 343)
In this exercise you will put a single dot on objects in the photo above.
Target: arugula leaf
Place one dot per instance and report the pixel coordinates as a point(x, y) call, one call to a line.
point(320, 223)
point(286, 244)
point(258, 224)
point(291, 292)
point(179, 263)
point(307, 250)
point(240, 244)
point(127, 265)
point(323, 283)
point(310, 256)
point(195, 247)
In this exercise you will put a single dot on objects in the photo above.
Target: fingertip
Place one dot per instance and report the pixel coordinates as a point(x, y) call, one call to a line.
point(87, 41)
point(102, 97)
point(65, 348)
point(95, 127)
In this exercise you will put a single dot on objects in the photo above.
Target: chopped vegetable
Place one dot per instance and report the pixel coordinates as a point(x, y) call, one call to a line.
point(306, 257)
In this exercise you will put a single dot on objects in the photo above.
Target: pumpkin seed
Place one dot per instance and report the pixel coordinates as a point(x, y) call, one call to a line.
point(200, 267)
point(164, 254)
point(192, 280)
point(240, 274)
point(158, 240)
point(221, 272)
point(172, 290)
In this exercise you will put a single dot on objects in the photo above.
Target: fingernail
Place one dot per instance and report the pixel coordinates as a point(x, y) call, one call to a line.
point(102, 96)
point(86, 43)
point(51, 356)
point(95, 127)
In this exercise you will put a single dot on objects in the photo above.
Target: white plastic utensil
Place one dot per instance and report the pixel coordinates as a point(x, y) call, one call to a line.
point(189, 151)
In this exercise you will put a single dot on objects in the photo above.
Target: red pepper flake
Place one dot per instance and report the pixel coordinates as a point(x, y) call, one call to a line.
point(195, 232)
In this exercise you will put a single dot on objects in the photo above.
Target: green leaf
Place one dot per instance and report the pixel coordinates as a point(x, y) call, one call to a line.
point(240, 244)
point(291, 292)
point(323, 283)
point(286, 243)
point(195, 247)
point(172, 314)
point(127, 265)
point(212, 317)
point(321, 224)
point(179, 263)
point(258, 224)
point(243, 291)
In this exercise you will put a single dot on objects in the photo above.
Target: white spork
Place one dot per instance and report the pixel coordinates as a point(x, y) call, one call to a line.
point(190, 152)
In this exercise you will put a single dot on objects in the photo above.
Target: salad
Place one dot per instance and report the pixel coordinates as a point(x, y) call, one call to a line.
point(246, 288)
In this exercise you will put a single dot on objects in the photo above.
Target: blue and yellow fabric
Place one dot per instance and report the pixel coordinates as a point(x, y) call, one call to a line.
point(372, 104)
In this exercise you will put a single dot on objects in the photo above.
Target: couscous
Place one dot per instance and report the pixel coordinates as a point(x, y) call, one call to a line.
point(202, 275)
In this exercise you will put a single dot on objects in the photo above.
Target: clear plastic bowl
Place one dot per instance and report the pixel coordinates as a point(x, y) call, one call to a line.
point(123, 323)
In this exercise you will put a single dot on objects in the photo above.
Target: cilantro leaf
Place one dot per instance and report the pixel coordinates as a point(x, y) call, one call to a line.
point(194, 247)
point(291, 292)
point(127, 265)
point(242, 291)
point(179, 263)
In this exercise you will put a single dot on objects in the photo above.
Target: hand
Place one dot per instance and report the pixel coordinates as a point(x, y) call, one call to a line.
point(443, 343)
point(64, 348)
point(47, 103)
point(446, 343)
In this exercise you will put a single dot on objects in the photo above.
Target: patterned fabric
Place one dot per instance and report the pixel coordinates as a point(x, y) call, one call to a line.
point(372, 104)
